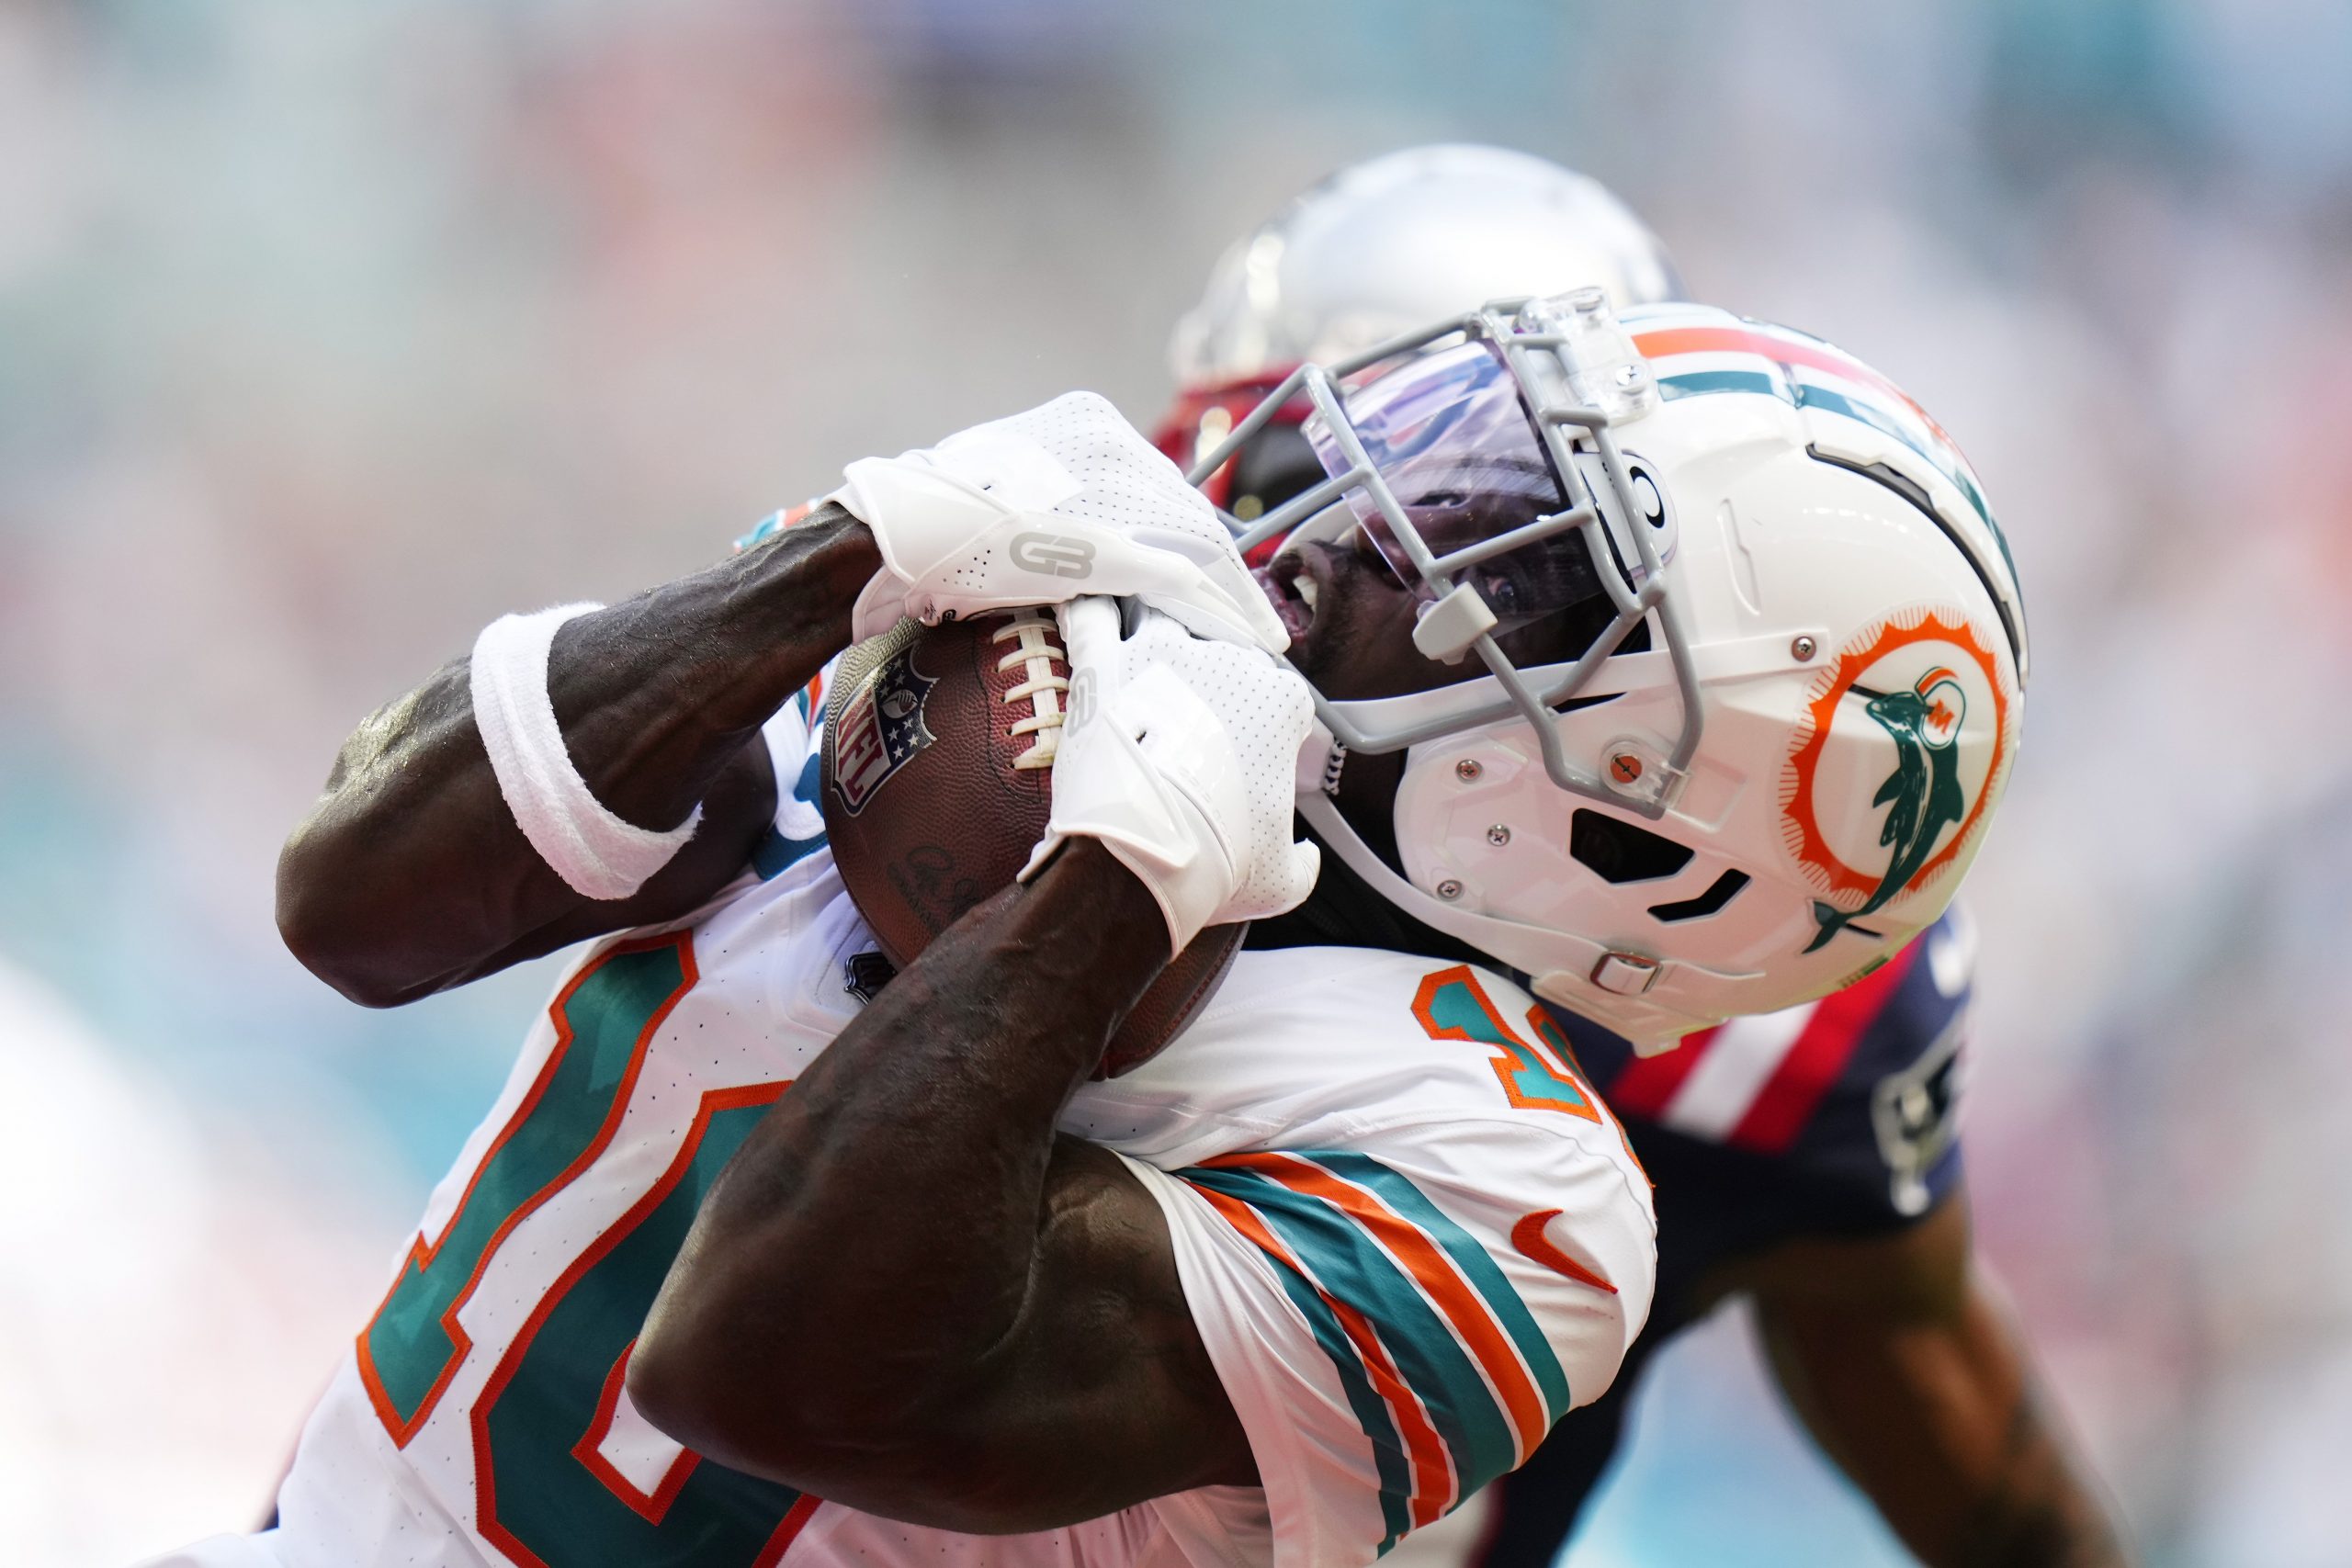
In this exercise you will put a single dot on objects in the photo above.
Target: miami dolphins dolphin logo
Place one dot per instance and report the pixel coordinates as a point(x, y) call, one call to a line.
point(1923, 795)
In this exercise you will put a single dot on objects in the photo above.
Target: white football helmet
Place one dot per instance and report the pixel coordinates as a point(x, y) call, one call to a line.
point(1387, 244)
point(1377, 249)
point(1784, 785)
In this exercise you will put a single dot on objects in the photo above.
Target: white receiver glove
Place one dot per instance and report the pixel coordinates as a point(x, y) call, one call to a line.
point(1064, 500)
point(1180, 755)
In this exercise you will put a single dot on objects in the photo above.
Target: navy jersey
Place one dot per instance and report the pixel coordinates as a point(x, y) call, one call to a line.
point(1834, 1119)
point(1845, 1105)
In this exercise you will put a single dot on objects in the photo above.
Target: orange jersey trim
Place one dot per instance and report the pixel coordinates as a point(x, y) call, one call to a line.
point(1434, 1483)
point(485, 1481)
point(652, 1506)
point(1432, 1270)
point(421, 1256)
point(1507, 1061)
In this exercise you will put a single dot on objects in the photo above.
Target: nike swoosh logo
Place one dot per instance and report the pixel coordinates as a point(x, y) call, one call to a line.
point(1527, 1237)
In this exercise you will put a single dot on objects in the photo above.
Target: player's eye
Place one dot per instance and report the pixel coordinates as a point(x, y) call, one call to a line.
point(1505, 593)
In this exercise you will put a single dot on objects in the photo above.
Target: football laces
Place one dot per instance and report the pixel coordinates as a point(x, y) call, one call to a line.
point(1031, 634)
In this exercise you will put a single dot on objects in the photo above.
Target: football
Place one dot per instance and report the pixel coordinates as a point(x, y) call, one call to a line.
point(937, 780)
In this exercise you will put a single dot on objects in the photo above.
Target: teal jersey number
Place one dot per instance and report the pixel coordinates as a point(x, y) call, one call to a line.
point(547, 1496)
point(603, 1019)
point(1452, 1005)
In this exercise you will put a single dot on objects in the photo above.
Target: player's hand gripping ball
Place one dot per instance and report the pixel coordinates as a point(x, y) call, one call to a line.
point(1180, 755)
point(1037, 509)
point(938, 783)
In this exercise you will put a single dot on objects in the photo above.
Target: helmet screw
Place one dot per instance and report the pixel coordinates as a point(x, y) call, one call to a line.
point(1802, 649)
point(1467, 768)
point(1449, 889)
point(1624, 767)
point(1498, 835)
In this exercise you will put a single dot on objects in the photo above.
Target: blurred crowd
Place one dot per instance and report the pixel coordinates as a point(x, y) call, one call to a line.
point(327, 334)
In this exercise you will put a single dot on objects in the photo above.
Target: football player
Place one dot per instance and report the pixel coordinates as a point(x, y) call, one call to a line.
point(1806, 1160)
point(752, 1263)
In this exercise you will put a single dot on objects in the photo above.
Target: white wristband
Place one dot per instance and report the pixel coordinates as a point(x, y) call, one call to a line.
point(596, 853)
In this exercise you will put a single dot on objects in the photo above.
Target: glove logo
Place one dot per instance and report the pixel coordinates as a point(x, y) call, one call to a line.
point(881, 727)
point(1052, 555)
point(1080, 702)
point(1929, 759)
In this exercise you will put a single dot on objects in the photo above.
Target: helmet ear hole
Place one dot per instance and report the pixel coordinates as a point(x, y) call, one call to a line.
point(1618, 851)
point(1720, 892)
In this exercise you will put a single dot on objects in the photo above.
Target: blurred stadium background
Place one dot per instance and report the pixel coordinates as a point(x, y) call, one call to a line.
point(328, 331)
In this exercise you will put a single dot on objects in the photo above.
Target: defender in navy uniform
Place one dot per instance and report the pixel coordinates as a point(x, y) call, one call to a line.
point(1808, 1159)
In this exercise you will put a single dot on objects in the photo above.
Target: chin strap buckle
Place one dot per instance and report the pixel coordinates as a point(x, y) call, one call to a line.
point(1626, 974)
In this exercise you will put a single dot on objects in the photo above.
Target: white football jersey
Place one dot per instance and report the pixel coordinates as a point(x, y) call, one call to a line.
point(1411, 1236)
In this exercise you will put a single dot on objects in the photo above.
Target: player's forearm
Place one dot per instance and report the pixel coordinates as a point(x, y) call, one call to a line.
point(868, 1256)
point(410, 872)
point(655, 692)
point(1940, 1421)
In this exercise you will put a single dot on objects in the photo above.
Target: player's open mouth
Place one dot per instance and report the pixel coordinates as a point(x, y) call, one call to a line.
point(1292, 593)
point(1317, 582)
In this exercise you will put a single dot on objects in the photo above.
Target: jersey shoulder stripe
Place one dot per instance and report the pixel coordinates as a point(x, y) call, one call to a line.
point(1406, 1457)
point(794, 740)
point(1330, 1230)
point(774, 523)
point(1431, 1248)
point(1476, 1266)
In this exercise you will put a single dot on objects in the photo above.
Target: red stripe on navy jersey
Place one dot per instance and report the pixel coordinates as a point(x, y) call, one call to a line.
point(1648, 1082)
point(1789, 1096)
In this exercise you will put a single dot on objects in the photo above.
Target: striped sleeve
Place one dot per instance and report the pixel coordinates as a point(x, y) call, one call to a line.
point(773, 523)
point(794, 738)
point(1398, 1326)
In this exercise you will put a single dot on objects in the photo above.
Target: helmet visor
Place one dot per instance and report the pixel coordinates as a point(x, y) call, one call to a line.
point(1268, 469)
point(1449, 433)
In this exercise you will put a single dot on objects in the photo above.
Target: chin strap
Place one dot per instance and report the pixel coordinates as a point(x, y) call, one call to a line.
point(1332, 766)
point(1562, 967)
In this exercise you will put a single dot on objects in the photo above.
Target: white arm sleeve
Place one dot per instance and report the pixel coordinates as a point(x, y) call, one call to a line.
point(598, 854)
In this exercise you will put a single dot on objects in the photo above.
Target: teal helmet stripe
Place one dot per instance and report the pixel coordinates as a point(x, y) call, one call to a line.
point(1700, 383)
point(1937, 452)
point(1814, 397)
point(1672, 333)
point(1805, 394)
